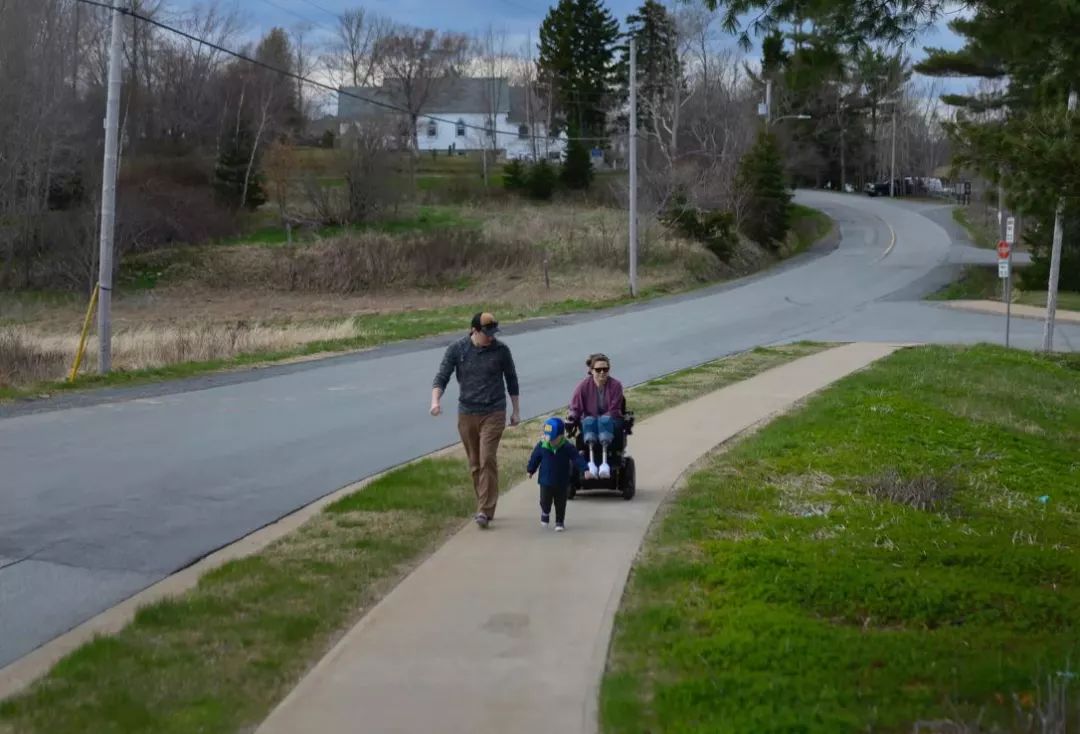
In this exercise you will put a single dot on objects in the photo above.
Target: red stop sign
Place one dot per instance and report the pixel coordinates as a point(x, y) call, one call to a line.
point(1003, 250)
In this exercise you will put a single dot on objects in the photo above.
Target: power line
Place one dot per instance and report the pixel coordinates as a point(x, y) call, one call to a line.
point(321, 85)
point(315, 5)
point(293, 13)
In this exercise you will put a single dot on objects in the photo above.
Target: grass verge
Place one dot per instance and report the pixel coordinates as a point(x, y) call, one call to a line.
point(976, 284)
point(219, 657)
point(982, 283)
point(980, 236)
point(899, 555)
point(1067, 300)
point(808, 226)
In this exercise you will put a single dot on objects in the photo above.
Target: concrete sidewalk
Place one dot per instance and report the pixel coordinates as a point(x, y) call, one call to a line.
point(1019, 311)
point(507, 630)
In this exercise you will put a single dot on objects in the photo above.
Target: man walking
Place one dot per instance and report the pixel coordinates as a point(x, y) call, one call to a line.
point(483, 365)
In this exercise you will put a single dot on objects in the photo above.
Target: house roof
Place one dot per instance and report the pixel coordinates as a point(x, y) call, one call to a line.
point(455, 96)
point(521, 111)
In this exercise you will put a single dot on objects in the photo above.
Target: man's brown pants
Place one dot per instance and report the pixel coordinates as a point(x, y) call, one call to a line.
point(481, 435)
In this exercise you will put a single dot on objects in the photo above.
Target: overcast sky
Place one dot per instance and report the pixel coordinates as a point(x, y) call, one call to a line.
point(520, 19)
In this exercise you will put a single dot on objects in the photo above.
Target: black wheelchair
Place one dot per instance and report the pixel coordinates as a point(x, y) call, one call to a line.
point(623, 477)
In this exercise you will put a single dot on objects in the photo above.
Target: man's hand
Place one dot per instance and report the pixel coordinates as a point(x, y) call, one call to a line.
point(436, 409)
point(436, 397)
point(531, 474)
point(515, 418)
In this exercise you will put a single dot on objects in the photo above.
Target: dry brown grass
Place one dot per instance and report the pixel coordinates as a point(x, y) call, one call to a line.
point(220, 302)
point(27, 357)
point(23, 358)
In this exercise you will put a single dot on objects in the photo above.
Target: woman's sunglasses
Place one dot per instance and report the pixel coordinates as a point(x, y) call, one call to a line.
point(601, 370)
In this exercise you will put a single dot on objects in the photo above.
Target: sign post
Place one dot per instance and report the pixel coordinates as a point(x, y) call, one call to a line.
point(1005, 265)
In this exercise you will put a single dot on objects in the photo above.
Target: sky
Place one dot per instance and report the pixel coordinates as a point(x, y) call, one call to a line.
point(520, 19)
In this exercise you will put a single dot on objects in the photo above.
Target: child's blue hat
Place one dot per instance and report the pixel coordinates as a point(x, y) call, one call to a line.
point(553, 428)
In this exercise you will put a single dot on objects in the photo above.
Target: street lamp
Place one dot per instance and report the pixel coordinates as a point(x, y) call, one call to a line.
point(765, 109)
point(790, 117)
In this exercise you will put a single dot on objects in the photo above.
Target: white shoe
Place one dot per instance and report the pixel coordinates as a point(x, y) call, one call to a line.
point(559, 528)
point(592, 468)
point(605, 471)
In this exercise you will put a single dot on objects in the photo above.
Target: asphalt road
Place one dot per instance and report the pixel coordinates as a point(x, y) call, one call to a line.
point(102, 495)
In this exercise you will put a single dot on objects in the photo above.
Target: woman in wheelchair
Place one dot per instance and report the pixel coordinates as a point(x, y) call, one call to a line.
point(597, 404)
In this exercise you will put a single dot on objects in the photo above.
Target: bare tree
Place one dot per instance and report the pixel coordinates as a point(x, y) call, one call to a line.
point(495, 66)
point(416, 63)
point(351, 59)
point(303, 64)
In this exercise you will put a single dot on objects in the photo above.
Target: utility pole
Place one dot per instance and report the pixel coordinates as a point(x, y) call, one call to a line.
point(633, 168)
point(768, 102)
point(892, 168)
point(1055, 259)
point(108, 196)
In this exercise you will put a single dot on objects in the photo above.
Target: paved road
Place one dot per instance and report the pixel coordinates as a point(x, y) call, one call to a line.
point(101, 500)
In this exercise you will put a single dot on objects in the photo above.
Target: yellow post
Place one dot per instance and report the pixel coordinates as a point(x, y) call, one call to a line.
point(85, 331)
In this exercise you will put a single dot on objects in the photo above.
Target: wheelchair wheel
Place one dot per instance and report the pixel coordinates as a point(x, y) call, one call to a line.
point(628, 479)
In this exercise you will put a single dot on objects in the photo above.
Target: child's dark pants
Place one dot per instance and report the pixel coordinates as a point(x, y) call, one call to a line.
point(558, 494)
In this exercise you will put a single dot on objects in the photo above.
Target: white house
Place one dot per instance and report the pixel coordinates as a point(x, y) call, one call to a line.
point(461, 114)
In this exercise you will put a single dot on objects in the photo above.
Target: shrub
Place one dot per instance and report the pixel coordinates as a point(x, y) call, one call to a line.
point(541, 181)
point(577, 172)
point(714, 229)
point(514, 176)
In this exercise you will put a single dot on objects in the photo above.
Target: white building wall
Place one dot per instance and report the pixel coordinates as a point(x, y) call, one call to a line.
point(507, 134)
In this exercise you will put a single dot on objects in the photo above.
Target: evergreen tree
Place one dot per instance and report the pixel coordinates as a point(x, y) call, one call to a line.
point(541, 180)
point(514, 176)
point(231, 169)
point(761, 175)
point(659, 67)
point(577, 56)
point(577, 172)
point(1023, 136)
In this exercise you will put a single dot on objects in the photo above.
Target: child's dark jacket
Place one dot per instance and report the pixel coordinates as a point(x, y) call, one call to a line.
point(555, 462)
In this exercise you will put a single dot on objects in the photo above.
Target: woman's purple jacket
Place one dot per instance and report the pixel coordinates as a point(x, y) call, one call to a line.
point(585, 401)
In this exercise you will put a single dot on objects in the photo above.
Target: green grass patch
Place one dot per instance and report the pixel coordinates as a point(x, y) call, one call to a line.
point(982, 284)
point(422, 219)
point(1067, 300)
point(980, 236)
point(218, 658)
point(902, 550)
point(977, 283)
point(809, 226)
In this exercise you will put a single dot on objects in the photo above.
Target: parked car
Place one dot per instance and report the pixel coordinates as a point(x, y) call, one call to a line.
point(877, 189)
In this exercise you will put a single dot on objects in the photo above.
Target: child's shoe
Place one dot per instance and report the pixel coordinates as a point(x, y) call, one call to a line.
point(559, 527)
point(592, 467)
point(605, 471)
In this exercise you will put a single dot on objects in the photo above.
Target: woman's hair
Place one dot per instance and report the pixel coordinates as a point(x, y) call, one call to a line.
point(597, 357)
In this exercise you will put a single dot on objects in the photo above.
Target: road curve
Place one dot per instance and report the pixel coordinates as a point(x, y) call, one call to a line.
point(101, 500)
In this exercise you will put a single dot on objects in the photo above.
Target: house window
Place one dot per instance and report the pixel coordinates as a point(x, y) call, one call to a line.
point(432, 129)
point(461, 128)
point(523, 131)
